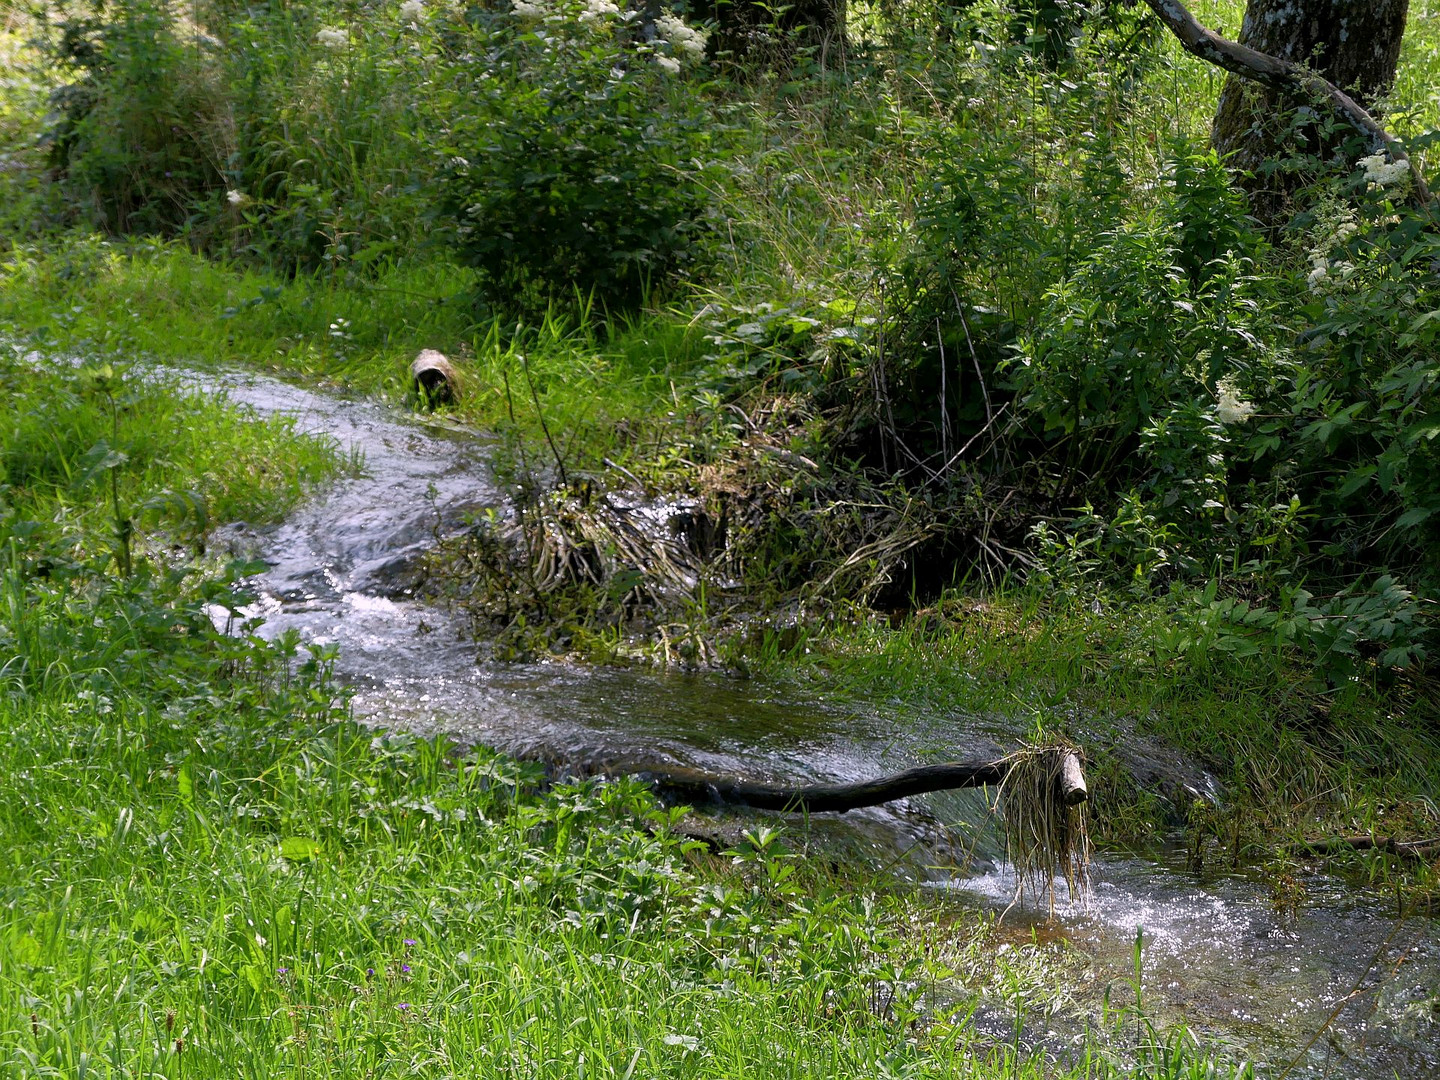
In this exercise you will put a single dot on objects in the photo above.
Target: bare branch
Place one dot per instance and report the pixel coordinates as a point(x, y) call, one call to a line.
point(1282, 75)
point(703, 787)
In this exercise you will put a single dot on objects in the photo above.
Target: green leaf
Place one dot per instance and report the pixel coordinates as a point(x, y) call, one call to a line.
point(26, 950)
point(299, 848)
point(185, 783)
point(1412, 517)
point(1426, 429)
point(1357, 479)
point(103, 456)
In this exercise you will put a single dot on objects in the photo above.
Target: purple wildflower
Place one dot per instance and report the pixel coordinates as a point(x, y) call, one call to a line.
point(409, 942)
point(369, 973)
point(404, 1006)
point(404, 969)
point(282, 972)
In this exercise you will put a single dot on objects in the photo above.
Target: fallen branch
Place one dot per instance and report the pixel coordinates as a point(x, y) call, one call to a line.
point(702, 787)
point(1282, 75)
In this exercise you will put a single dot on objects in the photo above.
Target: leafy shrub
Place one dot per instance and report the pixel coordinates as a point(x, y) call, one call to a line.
point(333, 170)
point(142, 133)
point(574, 160)
point(1380, 620)
point(260, 128)
point(1359, 419)
point(1129, 356)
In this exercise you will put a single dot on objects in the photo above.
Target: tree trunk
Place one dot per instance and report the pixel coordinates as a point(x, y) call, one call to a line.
point(1355, 44)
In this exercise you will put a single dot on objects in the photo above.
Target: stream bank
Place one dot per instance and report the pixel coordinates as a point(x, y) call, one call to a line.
point(1215, 949)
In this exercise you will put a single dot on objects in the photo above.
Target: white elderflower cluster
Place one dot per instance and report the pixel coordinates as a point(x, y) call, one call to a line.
point(668, 64)
point(1381, 172)
point(1334, 226)
point(596, 10)
point(236, 197)
point(526, 9)
point(1232, 408)
point(412, 12)
point(683, 38)
point(331, 38)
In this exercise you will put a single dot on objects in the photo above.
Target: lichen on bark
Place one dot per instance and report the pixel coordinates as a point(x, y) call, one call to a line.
point(1355, 44)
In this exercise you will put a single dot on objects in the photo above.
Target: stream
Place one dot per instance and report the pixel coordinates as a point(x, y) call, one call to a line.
point(1215, 952)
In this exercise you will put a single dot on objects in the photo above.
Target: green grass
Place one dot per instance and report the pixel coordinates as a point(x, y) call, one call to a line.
point(606, 389)
point(81, 447)
point(210, 872)
point(1293, 756)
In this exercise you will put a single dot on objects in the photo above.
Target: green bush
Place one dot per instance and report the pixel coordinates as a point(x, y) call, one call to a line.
point(142, 132)
point(289, 133)
point(334, 117)
point(575, 157)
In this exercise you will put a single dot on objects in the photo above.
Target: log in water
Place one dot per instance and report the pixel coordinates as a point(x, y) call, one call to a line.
point(435, 378)
point(693, 784)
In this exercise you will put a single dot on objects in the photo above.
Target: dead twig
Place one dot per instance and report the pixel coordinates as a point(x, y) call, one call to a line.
point(1334, 845)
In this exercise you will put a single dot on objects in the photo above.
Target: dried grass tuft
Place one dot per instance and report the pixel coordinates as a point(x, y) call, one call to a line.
point(1044, 838)
point(594, 541)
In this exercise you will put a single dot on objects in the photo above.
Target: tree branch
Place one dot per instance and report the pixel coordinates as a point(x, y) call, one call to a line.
point(1417, 849)
point(1282, 75)
point(702, 787)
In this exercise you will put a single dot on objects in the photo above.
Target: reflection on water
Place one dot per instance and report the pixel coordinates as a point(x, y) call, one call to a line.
point(1214, 951)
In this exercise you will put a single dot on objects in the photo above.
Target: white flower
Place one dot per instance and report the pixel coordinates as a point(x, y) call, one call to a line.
point(527, 10)
point(596, 10)
point(331, 38)
point(236, 198)
point(1335, 228)
point(668, 64)
point(412, 12)
point(1382, 172)
point(682, 37)
point(1232, 408)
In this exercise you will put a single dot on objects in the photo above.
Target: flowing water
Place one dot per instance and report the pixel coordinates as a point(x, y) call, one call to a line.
point(1214, 950)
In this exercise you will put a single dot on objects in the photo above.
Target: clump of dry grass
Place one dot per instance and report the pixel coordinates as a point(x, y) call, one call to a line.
point(592, 541)
point(1045, 839)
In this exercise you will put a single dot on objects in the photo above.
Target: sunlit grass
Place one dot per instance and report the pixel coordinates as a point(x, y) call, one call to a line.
point(1296, 754)
point(181, 462)
point(209, 870)
point(602, 384)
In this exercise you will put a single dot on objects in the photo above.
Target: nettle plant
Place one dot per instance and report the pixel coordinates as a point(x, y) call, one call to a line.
point(574, 159)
